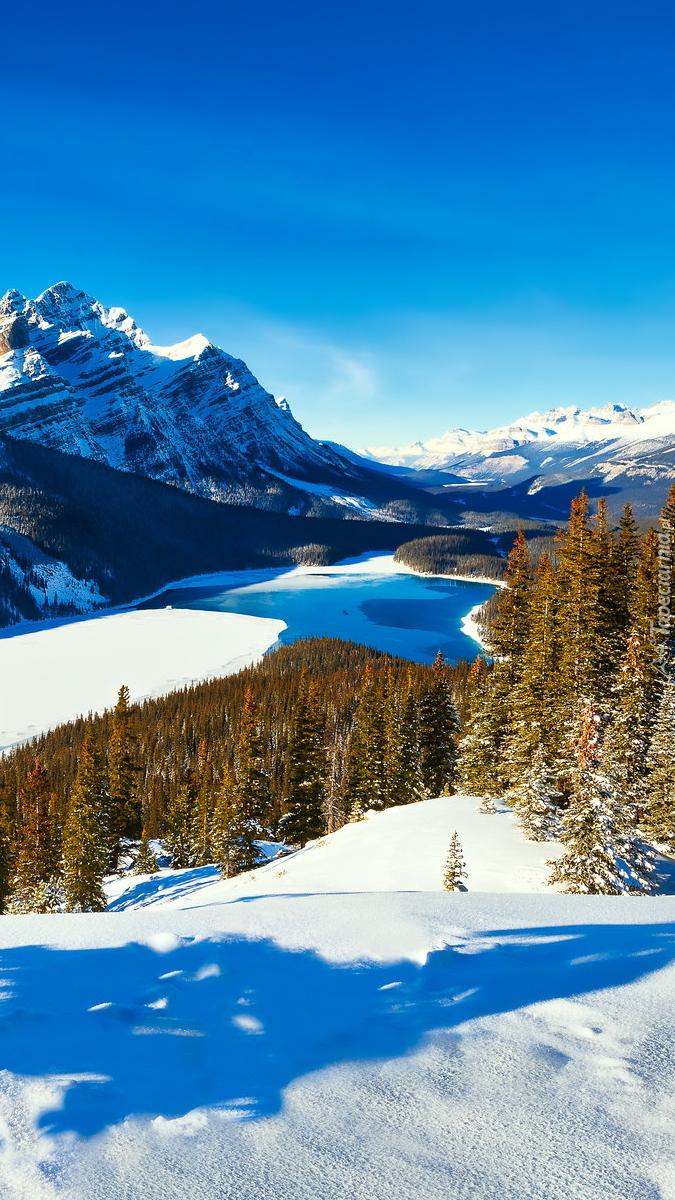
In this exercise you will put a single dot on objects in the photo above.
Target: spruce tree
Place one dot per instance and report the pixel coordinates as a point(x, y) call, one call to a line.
point(508, 630)
point(579, 617)
point(125, 817)
point(366, 769)
point(179, 825)
point(535, 710)
point(146, 863)
point(203, 807)
point(536, 800)
point(406, 783)
point(306, 771)
point(85, 835)
point(658, 819)
point(38, 856)
point(439, 732)
point(628, 550)
point(626, 744)
point(233, 831)
point(253, 781)
point(600, 857)
point(454, 872)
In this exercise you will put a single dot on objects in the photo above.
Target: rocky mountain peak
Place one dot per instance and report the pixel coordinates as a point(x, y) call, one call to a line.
point(86, 380)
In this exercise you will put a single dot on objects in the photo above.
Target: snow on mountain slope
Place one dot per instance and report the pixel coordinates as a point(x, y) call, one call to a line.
point(84, 379)
point(563, 441)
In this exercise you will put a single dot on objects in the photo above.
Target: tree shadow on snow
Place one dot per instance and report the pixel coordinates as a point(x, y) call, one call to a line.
point(231, 1022)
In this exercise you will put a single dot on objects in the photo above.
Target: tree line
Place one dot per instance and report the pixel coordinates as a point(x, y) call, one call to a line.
point(316, 734)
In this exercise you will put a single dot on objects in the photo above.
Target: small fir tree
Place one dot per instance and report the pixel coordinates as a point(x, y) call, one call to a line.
point(85, 836)
point(146, 863)
point(454, 872)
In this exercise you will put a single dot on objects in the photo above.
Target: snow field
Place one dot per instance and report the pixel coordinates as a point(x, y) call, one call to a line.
point(402, 849)
point(76, 667)
point(389, 1046)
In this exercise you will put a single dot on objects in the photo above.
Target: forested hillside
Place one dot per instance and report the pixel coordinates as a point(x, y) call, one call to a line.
point(127, 536)
point(575, 720)
point(314, 735)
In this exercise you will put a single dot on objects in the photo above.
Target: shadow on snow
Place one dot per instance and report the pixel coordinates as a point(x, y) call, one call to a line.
point(231, 1022)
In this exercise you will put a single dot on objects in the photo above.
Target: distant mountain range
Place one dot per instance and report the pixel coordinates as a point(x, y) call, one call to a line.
point(83, 379)
point(541, 459)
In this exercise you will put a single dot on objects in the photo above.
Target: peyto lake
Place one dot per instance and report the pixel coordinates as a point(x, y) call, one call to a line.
point(369, 600)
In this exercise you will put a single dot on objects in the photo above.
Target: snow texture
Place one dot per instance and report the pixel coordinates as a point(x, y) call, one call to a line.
point(394, 1046)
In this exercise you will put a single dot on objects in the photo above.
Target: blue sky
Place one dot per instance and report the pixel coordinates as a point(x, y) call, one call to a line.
point(404, 216)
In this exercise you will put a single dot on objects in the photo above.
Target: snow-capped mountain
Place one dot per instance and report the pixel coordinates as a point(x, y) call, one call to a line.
point(85, 380)
point(535, 440)
point(613, 449)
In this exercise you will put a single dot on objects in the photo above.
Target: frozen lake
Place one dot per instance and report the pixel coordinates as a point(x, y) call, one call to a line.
point(371, 600)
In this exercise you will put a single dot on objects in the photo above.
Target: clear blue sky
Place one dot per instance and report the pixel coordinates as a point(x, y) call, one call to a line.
point(405, 214)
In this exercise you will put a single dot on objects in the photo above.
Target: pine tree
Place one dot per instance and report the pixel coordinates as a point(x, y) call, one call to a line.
point(454, 872)
point(579, 616)
point(179, 825)
point(306, 771)
point(405, 781)
point(508, 630)
point(37, 862)
point(659, 816)
point(535, 715)
point(439, 733)
point(628, 557)
point(611, 616)
point(125, 818)
point(85, 836)
point(600, 858)
point(6, 863)
point(146, 863)
point(233, 831)
point(481, 763)
point(203, 808)
point(626, 744)
point(536, 800)
point(366, 769)
point(253, 781)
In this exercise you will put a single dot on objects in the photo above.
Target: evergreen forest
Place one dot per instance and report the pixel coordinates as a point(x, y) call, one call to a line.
point(570, 721)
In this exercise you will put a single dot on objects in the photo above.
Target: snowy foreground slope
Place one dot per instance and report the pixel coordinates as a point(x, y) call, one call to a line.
point(399, 850)
point(402, 1044)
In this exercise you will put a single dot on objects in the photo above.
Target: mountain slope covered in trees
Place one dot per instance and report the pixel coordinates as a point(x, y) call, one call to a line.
point(115, 536)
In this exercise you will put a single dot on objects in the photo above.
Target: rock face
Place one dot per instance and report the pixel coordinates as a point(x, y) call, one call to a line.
point(85, 380)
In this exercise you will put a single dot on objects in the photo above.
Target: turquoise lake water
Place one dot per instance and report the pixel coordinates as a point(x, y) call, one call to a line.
point(403, 614)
